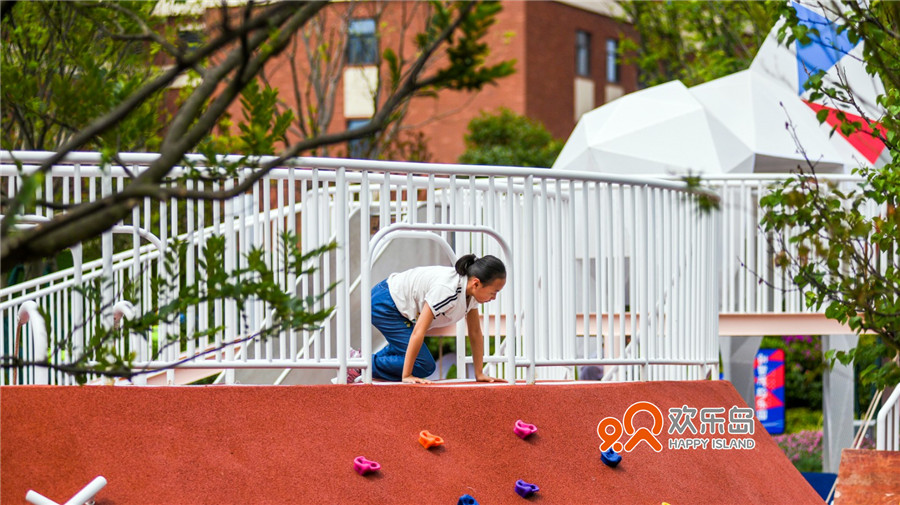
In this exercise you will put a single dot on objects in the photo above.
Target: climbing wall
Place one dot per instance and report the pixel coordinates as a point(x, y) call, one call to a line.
point(297, 444)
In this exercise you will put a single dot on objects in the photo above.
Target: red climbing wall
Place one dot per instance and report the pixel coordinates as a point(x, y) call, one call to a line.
point(868, 477)
point(296, 444)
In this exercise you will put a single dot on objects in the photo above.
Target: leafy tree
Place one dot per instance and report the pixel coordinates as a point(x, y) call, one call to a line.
point(842, 259)
point(506, 138)
point(233, 59)
point(448, 53)
point(695, 41)
point(64, 63)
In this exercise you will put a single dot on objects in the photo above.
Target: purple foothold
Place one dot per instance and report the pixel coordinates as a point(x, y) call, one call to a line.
point(523, 429)
point(610, 457)
point(525, 489)
point(364, 466)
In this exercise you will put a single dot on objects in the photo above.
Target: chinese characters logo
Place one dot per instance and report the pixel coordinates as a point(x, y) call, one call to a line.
point(683, 425)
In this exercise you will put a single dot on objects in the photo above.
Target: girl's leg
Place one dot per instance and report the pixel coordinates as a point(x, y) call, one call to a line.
point(388, 363)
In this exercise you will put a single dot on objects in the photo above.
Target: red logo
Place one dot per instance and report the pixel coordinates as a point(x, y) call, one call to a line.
point(610, 429)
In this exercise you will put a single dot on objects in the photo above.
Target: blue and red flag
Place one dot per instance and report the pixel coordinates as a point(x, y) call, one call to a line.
point(768, 375)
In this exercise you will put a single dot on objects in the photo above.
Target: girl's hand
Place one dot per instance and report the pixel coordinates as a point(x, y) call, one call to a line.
point(412, 379)
point(486, 378)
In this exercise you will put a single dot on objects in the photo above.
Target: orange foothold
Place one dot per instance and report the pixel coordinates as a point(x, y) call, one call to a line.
point(429, 440)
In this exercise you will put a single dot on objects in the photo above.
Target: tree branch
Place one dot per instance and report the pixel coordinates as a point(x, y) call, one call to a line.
point(93, 218)
point(146, 32)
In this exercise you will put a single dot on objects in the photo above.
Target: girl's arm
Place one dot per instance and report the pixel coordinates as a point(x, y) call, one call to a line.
point(415, 345)
point(476, 340)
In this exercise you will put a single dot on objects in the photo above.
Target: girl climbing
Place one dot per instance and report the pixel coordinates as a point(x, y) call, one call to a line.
point(407, 304)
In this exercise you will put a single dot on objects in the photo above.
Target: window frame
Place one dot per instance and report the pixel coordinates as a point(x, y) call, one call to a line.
point(358, 148)
point(362, 46)
point(613, 69)
point(582, 53)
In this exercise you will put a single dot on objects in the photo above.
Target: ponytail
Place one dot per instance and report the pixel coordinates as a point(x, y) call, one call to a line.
point(486, 269)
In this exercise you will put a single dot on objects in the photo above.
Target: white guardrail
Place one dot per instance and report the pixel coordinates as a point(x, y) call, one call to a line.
point(750, 282)
point(618, 272)
point(887, 436)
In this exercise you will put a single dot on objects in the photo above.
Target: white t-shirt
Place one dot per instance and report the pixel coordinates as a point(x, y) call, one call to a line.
point(441, 287)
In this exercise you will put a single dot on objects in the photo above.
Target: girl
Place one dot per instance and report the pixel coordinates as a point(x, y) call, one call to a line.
point(407, 304)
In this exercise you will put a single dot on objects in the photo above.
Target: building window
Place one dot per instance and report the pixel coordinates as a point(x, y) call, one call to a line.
point(612, 60)
point(190, 36)
point(358, 148)
point(362, 47)
point(190, 39)
point(582, 53)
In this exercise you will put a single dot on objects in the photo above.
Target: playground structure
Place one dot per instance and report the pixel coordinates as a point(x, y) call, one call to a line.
point(609, 292)
point(619, 272)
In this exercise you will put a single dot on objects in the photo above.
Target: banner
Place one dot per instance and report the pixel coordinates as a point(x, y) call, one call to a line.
point(768, 375)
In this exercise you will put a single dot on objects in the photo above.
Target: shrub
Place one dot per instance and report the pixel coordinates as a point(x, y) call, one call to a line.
point(803, 448)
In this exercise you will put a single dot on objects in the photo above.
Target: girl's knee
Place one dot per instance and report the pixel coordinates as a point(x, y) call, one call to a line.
point(424, 367)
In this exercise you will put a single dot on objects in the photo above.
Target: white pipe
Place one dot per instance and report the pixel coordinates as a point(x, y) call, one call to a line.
point(123, 309)
point(28, 312)
point(8, 157)
point(38, 499)
point(88, 492)
point(80, 497)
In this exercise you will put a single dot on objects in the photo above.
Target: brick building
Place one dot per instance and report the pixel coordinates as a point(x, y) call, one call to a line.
point(565, 66)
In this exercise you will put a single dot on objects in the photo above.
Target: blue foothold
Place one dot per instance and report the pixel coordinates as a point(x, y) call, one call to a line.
point(610, 457)
point(525, 489)
point(467, 500)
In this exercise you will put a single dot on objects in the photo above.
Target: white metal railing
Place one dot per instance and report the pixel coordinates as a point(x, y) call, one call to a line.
point(888, 424)
point(750, 282)
point(612, 271)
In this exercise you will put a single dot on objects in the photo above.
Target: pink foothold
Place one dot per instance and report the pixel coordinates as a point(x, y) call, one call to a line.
point(364, 466)
point(523, 429)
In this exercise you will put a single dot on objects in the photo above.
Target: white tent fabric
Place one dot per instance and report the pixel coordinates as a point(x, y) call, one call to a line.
point(757, 109)
point(737, 123)
point(660, 130)
point(834, 54)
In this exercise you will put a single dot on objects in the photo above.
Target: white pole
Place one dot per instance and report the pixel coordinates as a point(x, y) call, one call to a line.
point(107, 285)
point(343, 278)
point(38, 499)
point(365, 273)
point(528, 279)
point(88, 492)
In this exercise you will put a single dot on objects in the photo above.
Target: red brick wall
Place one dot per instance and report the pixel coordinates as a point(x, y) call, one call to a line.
point(539, 35)
point(455, 109)
point(550, 75)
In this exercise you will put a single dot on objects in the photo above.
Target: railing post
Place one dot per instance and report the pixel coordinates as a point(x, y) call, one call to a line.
point(529, 288)
point(343, 277)
point(107, 286)
point(365, 276)
point(888, 424)
point(231, 318)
